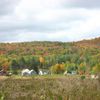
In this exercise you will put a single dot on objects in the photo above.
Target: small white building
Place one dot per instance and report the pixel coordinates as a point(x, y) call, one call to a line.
point(65, 73)
point(27, 72)
point(72, 73)
point(41, 72)
point(94, 76)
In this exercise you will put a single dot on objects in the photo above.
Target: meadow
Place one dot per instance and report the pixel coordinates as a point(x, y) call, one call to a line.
point(55, 87)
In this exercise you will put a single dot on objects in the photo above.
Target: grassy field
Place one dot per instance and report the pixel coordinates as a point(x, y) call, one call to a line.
point(49, 88)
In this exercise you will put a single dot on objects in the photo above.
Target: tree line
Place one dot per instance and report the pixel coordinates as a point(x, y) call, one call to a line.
point(56, 57)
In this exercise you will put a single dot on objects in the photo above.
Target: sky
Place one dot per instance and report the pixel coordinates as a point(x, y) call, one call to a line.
point(49, 20)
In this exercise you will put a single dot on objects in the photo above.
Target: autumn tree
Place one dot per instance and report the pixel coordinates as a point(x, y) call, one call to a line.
point(82, 68)
point(96, 69)
point(5, 65)
point(58, 68)
point(42, 61)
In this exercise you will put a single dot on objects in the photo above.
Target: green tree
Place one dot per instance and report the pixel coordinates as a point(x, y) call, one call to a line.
point(22, 63)
point(34, 64)
point(14, 67)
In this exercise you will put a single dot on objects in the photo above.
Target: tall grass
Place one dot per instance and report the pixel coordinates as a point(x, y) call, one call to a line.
point(46, 88)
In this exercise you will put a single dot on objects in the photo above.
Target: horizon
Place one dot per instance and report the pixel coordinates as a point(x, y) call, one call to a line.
point(49, 20)
point(50, 41)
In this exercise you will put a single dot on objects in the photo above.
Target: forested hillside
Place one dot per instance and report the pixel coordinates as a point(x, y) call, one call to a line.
point(82, 56)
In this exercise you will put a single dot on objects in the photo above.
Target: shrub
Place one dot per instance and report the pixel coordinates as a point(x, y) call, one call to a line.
point(83, 77)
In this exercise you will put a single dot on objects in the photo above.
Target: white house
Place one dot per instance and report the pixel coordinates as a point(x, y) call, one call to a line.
point(43, 72)
point(94, 76)
point(27, 72)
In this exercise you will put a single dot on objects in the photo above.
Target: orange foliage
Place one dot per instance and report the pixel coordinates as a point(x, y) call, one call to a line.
point(5, 65)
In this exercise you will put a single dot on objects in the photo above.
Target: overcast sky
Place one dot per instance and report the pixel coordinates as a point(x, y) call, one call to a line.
point(49, 20)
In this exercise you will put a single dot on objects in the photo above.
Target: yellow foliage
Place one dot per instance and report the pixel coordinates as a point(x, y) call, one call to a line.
point(58, 68)
point(62, 66)
point(94, 68)
point(42, 60)
point(82, 65)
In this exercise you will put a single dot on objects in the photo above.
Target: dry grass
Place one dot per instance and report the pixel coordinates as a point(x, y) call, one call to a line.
point(49, 88)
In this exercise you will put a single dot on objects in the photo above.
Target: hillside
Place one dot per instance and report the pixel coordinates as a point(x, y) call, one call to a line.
point(33, 48)
point(44, 48)
point(84, 53)
point(90, 43)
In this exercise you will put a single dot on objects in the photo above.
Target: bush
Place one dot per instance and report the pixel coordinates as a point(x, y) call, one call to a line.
point(15, 72)
point(83, 77)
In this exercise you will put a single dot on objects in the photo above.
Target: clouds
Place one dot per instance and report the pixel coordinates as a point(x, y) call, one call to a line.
point(83, 3)
point(55, 20)
point(7, 6)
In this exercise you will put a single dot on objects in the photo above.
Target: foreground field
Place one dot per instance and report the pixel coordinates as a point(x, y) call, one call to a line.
point(49, 88)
